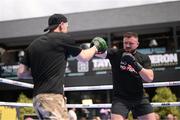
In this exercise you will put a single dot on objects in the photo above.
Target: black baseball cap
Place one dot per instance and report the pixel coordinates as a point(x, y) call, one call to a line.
point(54, 21)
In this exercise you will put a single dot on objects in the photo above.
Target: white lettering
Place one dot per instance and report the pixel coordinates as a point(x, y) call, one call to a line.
point(164, 59)
point(101, 64)
point(83, 66)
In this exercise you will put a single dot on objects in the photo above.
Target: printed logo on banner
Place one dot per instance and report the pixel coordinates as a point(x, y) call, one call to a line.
point(101, 64)
point(82, 66)
point(164, 59)
point(9, 70)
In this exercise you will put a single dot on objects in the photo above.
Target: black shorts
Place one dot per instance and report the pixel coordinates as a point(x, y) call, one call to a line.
point(138, 108)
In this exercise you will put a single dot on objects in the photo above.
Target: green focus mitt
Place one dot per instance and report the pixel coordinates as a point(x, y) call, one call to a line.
point(100, 44)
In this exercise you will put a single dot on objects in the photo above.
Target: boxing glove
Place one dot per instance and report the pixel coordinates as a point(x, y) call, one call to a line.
point(130, 59)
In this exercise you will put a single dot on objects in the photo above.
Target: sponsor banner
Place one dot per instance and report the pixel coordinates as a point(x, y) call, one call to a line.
point(159, 62)
point(93, 67)
point(164, 60)
point(96, 66)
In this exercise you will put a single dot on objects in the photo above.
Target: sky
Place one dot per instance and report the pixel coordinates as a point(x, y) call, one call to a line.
point(23, 9)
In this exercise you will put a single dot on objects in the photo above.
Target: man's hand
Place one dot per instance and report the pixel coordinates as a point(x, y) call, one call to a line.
point(23, 72)
point(130, 59)
point(100, 44)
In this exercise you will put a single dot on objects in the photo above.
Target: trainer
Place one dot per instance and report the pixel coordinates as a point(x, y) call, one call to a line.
point(45, 59)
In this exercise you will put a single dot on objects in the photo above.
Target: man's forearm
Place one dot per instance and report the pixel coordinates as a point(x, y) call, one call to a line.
point(86, 55)
point(147, 75)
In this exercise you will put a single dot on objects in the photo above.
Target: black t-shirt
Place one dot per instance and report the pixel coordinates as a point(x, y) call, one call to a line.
point(127, 83)
point(47, 57)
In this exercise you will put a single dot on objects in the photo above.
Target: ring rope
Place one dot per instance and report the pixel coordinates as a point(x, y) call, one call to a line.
point(81, 88)
point(158, 104)
point(13, 82)
point(101, 87)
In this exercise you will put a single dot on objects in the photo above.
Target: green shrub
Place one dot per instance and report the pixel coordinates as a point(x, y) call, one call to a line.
point(25, 110)
point(164, 94)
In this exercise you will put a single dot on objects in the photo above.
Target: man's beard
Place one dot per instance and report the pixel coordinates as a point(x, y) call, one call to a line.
point(130, 51)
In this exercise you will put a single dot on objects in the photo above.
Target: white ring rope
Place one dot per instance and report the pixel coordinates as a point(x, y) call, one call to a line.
point(101, 87)
point(13, 82)
point(81, 88)
point(158, 104)
point(14, 104)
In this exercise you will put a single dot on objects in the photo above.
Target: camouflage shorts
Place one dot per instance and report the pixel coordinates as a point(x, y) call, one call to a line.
point(50, 106)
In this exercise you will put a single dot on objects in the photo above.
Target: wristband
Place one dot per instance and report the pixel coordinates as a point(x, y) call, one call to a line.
point(137, 67)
